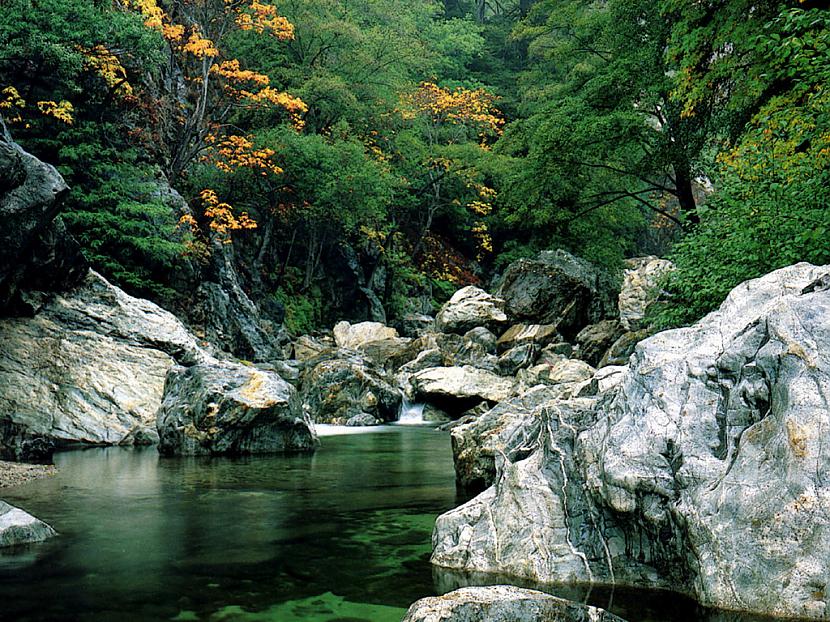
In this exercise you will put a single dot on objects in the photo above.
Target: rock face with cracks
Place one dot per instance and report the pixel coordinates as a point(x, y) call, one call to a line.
point(228, 408)
point(704, 469)
point(87, 369)
point(503, 603)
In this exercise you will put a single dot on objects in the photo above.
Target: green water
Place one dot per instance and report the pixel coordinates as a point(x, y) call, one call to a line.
point(339, 536)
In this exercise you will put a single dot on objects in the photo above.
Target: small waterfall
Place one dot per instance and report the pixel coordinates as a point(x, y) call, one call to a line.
point(411, 413)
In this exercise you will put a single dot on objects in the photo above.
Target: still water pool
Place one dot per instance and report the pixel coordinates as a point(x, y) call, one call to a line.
point(342, 535)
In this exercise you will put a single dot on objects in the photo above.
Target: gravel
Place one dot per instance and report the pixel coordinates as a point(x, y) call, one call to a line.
point(14, 473)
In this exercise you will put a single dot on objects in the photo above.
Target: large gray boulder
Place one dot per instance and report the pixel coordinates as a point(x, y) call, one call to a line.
point(217, 408)
point(87, 369)
point(510, 430)
point(18, 527)
point(469, 308)
point(337, 389)
point(557, 289)
point(503, 603)
point(704, 470)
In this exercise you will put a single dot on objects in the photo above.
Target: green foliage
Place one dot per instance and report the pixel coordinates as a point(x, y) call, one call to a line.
point(772, 205)
point(303, 311)
point(120, 211)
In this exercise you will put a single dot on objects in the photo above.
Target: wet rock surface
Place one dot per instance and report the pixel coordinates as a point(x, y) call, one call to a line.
point(503, 603)
point(702, 467)
point(18, 527)
point(217, 408)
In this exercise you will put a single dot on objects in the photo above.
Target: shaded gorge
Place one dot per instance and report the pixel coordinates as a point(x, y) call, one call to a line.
point(343, 534)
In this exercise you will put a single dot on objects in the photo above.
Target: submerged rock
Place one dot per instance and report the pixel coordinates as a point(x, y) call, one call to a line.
point(503, 603)
point(87, 369)
point(227, 408)
point(17, 527)
point(470, 307)
point(704, 470)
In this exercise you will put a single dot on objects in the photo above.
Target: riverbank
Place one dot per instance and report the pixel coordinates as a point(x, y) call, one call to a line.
point(15, 474)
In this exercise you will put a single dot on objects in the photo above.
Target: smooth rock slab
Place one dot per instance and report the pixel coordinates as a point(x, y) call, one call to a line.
point(469, 308)
point(18, 527)
point(87, 369)
point(503, 603)
point(461, 385)
point(229, 408)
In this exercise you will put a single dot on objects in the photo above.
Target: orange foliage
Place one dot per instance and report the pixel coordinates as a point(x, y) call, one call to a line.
point(106, 64)
point(235, 152)
point(460, 106)
point(221, 216)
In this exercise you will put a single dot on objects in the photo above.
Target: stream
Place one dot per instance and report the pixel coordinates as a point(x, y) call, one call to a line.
point(342, 535)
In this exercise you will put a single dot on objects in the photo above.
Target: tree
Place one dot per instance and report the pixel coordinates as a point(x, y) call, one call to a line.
point(772, 205)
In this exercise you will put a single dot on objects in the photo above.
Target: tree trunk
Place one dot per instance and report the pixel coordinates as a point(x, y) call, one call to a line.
point(685, 194)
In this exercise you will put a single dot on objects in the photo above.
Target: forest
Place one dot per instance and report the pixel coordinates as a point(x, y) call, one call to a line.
point(365, 158)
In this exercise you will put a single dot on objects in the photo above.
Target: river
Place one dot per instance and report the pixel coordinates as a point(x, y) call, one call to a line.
point(341, 535)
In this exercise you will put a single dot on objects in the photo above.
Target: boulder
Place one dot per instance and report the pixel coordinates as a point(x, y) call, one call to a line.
point(432, 414)
point(17, 527)
point(517, 358)
point(704, 470)
point(558, 289)
point(363, 420)
point(389, 354)
point(510, 429)
point(307, 348)
point(218, 407)
point(482, 337)
point(469, 308)
point(519, 334)
point(36, 253)
point(503, 603)
point(595, 340)
point(621, 350)
point(87, 369)
point(640, 288)
point(336, 390)
point(455, 389)
point(415, 325)
point(353, 336)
